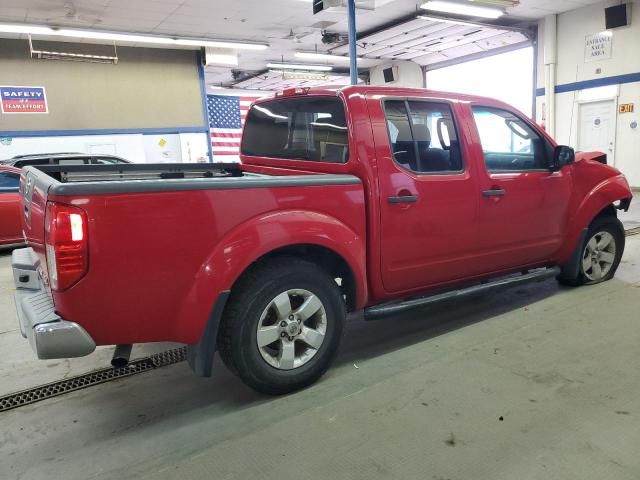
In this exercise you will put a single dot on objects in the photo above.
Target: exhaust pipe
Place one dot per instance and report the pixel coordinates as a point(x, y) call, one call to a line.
point(121, 355)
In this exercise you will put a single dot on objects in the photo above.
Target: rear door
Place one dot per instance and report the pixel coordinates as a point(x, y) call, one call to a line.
point(10, 210)
point(523, 207)
point(428, 196)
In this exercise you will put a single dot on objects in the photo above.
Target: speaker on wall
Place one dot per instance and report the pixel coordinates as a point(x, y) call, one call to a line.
point(616, 16)
point(389, 75)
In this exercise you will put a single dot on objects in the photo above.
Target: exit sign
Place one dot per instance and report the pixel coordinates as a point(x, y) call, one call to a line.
point(625, 108)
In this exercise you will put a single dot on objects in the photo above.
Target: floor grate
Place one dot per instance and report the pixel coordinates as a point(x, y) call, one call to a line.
point(53, 389)
point(632, 231)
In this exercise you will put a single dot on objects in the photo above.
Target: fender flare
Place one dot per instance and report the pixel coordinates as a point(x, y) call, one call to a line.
point(257, 237)
point(604, 194)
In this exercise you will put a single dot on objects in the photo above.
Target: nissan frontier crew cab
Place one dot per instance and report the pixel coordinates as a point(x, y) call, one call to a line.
point(372, 198)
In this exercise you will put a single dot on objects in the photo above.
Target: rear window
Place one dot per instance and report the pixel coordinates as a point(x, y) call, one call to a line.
point(312, 128)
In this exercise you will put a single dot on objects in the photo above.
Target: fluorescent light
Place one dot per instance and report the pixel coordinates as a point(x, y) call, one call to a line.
point(299, 66)
point(221, 44)
point(128, 37)
point(293, 75)
point(462, 9)
point(222, 59)
point(32, 29)
point(320, 56)
point(447, 20)
point(113, 37)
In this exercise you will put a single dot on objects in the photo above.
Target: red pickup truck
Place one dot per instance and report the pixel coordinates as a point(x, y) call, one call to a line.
point(372, 198)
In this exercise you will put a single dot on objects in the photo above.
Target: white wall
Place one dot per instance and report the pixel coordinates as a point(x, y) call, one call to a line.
point(184, 147)
point(194, 147)
point(409, 75)
point(572, 28)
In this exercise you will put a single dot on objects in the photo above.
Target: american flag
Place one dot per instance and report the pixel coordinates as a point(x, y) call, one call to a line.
point(226, 118)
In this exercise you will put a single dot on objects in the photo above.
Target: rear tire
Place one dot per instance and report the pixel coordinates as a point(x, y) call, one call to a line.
point(281, 329)
point(601, 252)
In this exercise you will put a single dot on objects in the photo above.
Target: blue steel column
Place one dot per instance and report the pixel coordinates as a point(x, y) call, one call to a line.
point(353, 59)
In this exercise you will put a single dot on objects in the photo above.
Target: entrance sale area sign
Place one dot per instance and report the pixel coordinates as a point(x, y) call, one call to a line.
point(597, 46)
point(23, 99)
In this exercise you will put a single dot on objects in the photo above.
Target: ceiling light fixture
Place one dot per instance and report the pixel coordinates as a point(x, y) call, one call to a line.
point(220, 44)
point(468, 9)
point(448, 20)
point(128, 37)
point(222, 59)
point(299, 66)
point(33, 29)
point(320, 56)
point(80, 57)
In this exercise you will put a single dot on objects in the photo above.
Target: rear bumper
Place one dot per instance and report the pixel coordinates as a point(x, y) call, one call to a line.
point(50, 335)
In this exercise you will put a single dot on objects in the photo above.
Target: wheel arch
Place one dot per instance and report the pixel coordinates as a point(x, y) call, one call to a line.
point(316, 236)
point(599, 202)
point(324, 257)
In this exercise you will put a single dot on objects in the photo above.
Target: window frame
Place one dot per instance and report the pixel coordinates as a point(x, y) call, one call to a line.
point(347, 122)
point(406, 101)
point(545, 142)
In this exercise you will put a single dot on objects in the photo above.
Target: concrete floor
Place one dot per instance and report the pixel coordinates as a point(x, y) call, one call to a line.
point(539, 382)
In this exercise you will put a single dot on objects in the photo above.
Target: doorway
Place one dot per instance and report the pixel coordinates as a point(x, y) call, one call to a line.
point(596, 127)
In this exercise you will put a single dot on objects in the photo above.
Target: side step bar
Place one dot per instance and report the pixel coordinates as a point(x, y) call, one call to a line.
point(390, 308)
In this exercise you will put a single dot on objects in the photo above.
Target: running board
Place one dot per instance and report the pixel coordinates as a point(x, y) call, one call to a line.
point(390, 308)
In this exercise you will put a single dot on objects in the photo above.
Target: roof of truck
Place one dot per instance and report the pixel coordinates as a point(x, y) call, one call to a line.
point(384, 91)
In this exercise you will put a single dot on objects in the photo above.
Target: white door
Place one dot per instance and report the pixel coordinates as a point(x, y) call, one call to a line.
point(596, 130)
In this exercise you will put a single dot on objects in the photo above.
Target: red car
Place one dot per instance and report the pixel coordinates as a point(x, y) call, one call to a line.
point(372, 198)
point(10, 207)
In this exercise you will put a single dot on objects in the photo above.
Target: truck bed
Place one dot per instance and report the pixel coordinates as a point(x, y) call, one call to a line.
point(131, 178)
point(164, 239)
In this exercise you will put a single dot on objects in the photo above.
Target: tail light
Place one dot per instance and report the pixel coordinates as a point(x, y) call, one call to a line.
point(66, 245)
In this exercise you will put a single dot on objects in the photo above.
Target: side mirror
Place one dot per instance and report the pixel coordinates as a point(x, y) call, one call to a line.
point(562, 155)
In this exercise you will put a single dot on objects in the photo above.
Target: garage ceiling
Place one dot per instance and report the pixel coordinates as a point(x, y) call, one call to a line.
point(274, 80)
point(429, 41)
point(287, 25)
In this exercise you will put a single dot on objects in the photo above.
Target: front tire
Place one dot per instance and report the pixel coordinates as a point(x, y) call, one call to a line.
point(281, 329)
point(601, 252)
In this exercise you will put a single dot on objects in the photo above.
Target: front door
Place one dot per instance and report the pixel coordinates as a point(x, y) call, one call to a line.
point(524, 206)
point(428, 198)
point(596, 132)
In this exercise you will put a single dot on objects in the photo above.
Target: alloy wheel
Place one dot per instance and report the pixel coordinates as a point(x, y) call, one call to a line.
point(598, 256)
point(291, 329)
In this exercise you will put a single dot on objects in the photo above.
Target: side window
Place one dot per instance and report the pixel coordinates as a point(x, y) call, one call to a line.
point(508, 143)
point(303, 128)
point(423, 136)
point(402, 146)
point(103, 161)
point(9, 182)
point(72, 161)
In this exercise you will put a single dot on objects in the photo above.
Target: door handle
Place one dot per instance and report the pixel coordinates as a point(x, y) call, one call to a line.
point(497, 192)
point(403, 199)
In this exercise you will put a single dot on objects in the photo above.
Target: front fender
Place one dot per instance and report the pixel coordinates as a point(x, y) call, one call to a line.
point(605, 193)
point(251, 240)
